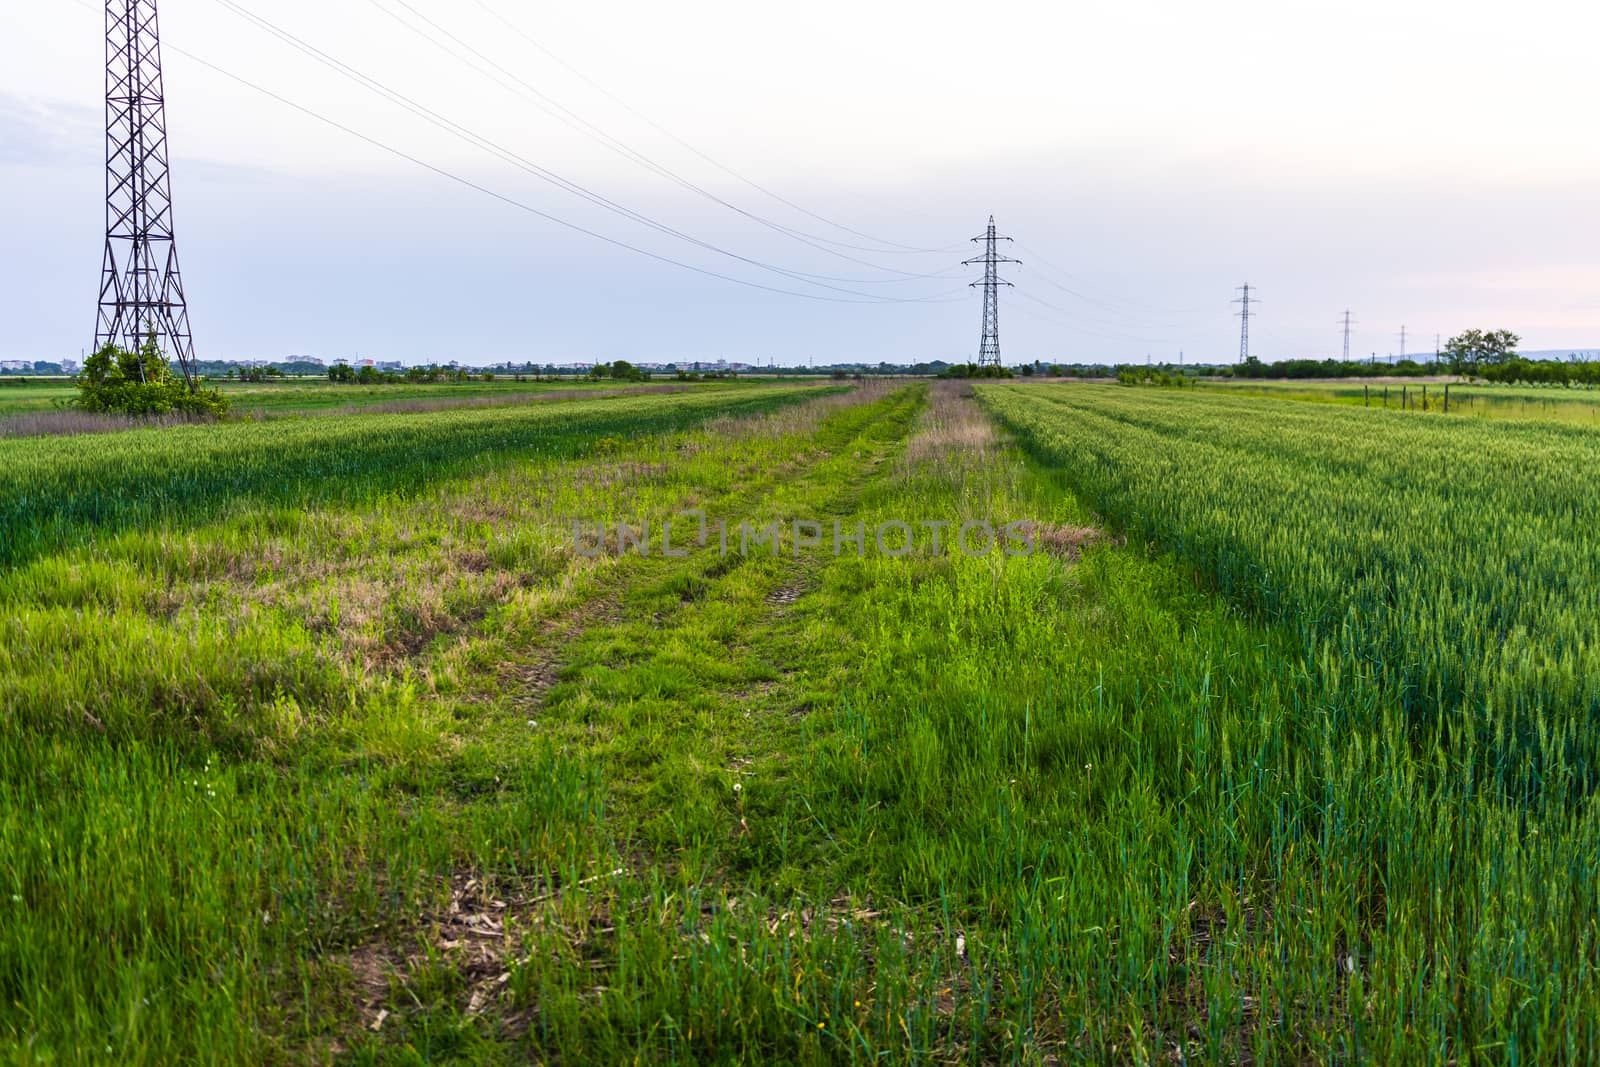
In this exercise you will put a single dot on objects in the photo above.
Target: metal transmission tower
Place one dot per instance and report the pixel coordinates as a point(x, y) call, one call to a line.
point(1402, 343)
point(1244, 321)
point(141, 289)
point(989, 344)
point(1347, 322)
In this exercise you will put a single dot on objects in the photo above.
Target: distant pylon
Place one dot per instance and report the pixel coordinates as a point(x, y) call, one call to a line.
point(1402, 343)
point(1347, 336)
point(1244, 321)
point(141, 289)
point(989, 343)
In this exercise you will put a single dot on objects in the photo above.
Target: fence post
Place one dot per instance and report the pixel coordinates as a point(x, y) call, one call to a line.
point(1366, 396)
point(1424, 398)
point(1447, 398)
point(1405, 398)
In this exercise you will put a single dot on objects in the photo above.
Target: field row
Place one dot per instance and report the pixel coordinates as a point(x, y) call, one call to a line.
point(53, 490)
point(1457, 562)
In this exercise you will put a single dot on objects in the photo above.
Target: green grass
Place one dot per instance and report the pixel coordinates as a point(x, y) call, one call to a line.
point(314, 396)
point(34, 394)
point(1455, 561)
point(393, 775)
point(53, 489)
point(1575, 404)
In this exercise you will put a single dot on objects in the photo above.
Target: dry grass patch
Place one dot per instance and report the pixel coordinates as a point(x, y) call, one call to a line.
point(796, 419)
point(1069, 542)
point(66, 423)
point(953, 430)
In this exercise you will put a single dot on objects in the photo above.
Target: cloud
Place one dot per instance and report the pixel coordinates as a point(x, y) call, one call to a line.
point(37, 132)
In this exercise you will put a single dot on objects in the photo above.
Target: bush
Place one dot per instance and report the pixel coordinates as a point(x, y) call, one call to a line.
point(116, 381)
point(621, 371)
point(972, 370)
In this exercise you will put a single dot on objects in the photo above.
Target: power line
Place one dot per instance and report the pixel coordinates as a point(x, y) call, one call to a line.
point(554, 108)
point(1071, 322)
point(530, 209)
point(1108, 304)
point(892, 247)
point(507, 155)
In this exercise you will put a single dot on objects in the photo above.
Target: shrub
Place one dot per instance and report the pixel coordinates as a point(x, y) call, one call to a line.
point(973, 370)
point(117, 381)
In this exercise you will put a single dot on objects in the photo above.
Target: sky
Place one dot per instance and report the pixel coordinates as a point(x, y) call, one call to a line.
point(1426, 165)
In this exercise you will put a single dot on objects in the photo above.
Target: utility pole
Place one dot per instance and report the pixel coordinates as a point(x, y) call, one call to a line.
point(141, 289)
point(1244, 322)
point(989, 343)
point(1347, 335)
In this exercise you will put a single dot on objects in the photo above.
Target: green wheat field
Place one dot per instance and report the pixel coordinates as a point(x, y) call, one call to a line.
point(324, 740)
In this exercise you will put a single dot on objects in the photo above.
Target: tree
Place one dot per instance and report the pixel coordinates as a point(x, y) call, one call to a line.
point(115, 380)
point(1468, 351)
point(342, 373)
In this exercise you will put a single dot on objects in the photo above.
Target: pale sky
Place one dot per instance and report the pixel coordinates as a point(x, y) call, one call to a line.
point(1427, 164)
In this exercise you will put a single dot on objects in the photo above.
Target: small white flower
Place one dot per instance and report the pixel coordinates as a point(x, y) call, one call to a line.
point(738, 787)
point(532, 723)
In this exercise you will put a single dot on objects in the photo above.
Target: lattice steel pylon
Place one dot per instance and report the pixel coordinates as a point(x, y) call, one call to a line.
point(1244, 321)
point(989, 343)
point(141, 289)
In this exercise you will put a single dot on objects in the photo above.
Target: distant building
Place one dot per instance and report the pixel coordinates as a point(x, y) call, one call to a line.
point(69, 366)
point(393, 365)
point(16, 364)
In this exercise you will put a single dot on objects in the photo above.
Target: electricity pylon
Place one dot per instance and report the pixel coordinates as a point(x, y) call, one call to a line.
point(1244, 321)
point(989, 343)
point(141, 288)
